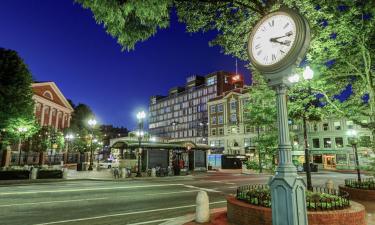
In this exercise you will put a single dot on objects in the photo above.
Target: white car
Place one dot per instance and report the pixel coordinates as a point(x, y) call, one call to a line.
point(108, 164)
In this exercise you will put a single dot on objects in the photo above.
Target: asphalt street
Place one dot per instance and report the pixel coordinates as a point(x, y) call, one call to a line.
point(132, 202)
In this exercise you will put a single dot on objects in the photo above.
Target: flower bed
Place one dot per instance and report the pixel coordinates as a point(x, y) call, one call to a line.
point(319, 199)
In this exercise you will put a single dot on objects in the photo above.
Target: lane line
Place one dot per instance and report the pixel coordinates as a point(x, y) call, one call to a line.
point(88, 189)
point(202, 189)
point(153, 221)
point(125, 214)
point(93, 199)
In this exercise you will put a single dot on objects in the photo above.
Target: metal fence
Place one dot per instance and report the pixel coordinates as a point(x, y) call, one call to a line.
point(321, 198)
point(72, 158)
point(26, 158)
point(53, 159)
point(366, 183)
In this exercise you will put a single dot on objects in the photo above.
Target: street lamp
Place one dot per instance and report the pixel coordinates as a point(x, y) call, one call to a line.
point(21, 131)
point(353, 134)
point(69, 138)
point(307, 75)
point(92, 123)
point(140, 116)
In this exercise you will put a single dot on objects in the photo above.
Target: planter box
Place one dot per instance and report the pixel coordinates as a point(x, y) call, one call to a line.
point(49, 174)
point(241, 213)
point(359, 194)
point(14, 175)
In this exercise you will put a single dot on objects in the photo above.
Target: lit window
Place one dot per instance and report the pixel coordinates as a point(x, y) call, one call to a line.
point(213, 120)
point(220, 107)
point(339, 142)
point(327, 142)
point(233, 118)
point(337, 125)
point(221, 119)
point(212, 108)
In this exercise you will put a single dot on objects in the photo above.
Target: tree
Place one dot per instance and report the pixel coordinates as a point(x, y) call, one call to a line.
point(16, 103)
point(341, 50)
point(261, 113)
point(304, 106)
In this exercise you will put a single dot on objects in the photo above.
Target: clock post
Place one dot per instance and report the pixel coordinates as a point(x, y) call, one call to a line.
point(286, 49)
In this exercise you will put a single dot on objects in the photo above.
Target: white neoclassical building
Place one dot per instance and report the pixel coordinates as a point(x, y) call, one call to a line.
point(51, 107)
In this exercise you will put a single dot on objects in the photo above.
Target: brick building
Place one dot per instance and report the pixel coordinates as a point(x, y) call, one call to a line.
point(51, 107)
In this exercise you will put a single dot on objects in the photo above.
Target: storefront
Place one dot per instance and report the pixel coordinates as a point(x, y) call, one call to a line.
point(177, 156)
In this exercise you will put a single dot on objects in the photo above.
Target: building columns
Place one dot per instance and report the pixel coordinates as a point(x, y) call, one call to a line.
point(50, 116)
point(42, 115)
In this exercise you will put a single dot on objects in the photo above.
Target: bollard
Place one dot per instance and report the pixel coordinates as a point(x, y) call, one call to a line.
point(123, 173)
point(330, 185)
point(153, 172)
point(202, 212)
point(34, 173)
point(65, 173)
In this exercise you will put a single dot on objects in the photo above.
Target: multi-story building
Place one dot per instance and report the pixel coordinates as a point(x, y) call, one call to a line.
point(330, 145)
point(51, 107)
point(328, 141)
point(182, 115)
point(228, 131)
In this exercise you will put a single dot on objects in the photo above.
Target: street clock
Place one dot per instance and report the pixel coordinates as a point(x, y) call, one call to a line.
point(279, 42)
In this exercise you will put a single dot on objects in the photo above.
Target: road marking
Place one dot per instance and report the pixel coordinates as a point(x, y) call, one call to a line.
point(125, 214)
point(202, 189)
point(229, 183)
point(153, 221)
point(88, 189)
point(50, 202)
point(93, 199)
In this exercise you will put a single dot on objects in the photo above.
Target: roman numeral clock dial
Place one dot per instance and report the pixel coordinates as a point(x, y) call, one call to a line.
point(273, 39)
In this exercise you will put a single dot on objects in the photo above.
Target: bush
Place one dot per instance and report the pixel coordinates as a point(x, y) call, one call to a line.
point(14, 175)
point(252, 165)
point(49, 174)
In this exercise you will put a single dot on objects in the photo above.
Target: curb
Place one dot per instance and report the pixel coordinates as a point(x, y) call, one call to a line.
point(190, 217)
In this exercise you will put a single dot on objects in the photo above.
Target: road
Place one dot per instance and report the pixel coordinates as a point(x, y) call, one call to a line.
point(132, 202)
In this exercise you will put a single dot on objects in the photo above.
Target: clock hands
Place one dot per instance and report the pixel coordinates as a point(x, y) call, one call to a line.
point(290, 33)
point(287, 42)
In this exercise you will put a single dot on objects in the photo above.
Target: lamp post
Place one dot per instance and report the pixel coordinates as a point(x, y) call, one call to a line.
point(69, 138)
point(307, 75)
point(92, 123)
point(140, 116)
point(353, 135)
point(21, 131)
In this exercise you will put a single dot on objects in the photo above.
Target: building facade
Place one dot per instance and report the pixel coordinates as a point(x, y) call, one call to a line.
point(228, 131)
point(329, 144)
point(182, 115)
point(51, 107)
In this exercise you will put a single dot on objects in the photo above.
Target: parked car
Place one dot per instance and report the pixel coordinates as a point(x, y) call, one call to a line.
point(109, 164)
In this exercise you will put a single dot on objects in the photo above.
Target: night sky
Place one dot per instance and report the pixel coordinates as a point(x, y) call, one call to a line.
point(61, 42)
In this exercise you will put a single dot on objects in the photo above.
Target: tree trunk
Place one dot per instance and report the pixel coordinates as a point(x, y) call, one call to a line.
point(259, 153)
point(307, 156)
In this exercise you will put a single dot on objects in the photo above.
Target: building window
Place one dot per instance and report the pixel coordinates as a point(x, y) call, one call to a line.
point(213, 120)
point(48, 95)
point(325, 126)
point(327, 142)
point(341, 158)
point(211, 80)
point(233, 118)
point(221, 119)
point(213, 108)
point(339, 142)
point(316, 143)
point(349, 124)
point(221, 131)
point(337, 125)
point(248, 129)
point(213, 132)
point(317, 159)
point(220, 108)
point(247, 142)
point(315, 127)
point(233, 105)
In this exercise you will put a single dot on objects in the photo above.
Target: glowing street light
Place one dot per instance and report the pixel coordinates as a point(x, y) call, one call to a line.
point(21, 131)
point(140, 133)
point(92, 122)
point(353, 134)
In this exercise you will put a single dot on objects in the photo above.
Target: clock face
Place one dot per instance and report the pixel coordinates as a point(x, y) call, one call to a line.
point(273, 39)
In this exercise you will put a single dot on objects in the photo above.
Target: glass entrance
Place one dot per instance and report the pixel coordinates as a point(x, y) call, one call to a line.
point(330, 161)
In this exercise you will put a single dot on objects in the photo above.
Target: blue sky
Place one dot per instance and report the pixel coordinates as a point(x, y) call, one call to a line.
point(61, 42)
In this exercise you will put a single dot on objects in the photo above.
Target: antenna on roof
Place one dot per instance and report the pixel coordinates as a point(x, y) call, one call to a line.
point(236, 67)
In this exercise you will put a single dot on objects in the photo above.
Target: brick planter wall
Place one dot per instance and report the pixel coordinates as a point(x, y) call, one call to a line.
point(359, 194)
point(241, 213)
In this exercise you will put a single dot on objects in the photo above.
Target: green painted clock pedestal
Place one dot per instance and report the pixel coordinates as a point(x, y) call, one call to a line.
point(287, 188)
point(276, 45)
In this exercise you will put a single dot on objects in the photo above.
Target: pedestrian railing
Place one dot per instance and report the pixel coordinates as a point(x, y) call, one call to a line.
point(320, 199)
point(365, 183)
